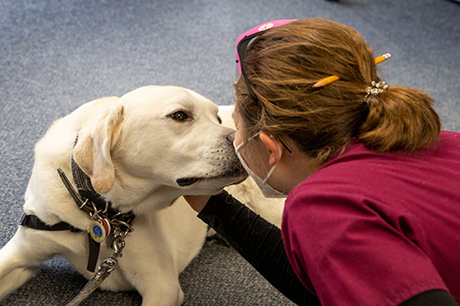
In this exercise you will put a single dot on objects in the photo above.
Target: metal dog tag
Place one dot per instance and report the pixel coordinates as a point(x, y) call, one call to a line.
point(99, 229)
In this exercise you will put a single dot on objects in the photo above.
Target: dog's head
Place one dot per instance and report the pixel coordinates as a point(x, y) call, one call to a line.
point(159, 139)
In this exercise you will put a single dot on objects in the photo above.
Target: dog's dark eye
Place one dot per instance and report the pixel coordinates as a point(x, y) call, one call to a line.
point(179, 116)
point(219, 119)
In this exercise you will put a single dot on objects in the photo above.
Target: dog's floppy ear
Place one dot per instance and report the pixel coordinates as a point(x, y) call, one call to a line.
point(93, 149)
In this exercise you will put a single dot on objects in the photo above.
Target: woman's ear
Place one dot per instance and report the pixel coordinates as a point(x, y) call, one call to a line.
point(274, 148)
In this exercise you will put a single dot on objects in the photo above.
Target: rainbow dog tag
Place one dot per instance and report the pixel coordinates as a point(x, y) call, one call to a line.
point(99, 229)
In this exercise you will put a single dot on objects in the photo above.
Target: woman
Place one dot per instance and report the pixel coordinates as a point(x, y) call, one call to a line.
point(372, 215)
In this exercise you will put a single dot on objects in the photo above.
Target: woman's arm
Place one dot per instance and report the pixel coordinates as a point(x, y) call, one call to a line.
point(258, 241)
point(431, 298)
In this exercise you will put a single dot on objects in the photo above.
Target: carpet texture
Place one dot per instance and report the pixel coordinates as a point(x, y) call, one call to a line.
point(57, 55)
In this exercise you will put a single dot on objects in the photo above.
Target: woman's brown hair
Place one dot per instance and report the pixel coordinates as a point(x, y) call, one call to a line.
point(282, 65)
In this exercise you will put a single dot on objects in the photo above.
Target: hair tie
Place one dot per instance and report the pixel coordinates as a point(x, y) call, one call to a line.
point(374, 90)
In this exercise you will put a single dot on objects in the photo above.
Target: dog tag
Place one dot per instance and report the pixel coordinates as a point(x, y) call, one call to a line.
point(106, 224)
point(99, 229)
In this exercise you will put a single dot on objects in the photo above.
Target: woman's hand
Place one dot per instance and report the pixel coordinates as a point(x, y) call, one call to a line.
point(197, 202)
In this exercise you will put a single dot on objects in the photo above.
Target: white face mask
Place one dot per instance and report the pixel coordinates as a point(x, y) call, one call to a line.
point(267, 190)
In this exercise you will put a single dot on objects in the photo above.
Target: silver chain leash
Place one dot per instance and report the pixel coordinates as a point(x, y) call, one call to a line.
point(105, 268)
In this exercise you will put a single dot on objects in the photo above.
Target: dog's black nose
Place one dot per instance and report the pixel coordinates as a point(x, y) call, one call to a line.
point(231, 137)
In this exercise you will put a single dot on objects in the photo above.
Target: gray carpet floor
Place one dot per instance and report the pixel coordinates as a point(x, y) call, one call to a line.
point(57, 55)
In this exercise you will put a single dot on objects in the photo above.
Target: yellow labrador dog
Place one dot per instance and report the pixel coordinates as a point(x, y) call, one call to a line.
point(140, 153)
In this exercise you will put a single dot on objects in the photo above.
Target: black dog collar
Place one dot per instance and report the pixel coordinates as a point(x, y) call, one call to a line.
point(34, 222)
point(92, 203)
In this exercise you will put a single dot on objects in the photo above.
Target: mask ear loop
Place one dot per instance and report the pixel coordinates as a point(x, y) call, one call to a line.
point(269, 174)
point(333, 78)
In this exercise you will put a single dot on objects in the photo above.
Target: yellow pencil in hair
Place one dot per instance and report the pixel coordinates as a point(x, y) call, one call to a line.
point(326, 81)
point(382, 58)
point(333, 78)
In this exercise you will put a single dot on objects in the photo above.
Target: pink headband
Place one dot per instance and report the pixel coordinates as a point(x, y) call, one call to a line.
point(261, 27)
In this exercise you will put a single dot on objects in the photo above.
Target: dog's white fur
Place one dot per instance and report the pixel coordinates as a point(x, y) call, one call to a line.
point(134, 152)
